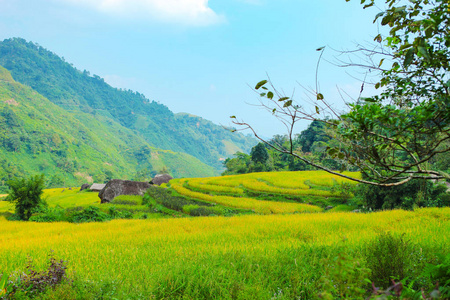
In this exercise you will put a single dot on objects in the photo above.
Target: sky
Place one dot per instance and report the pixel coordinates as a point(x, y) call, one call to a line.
point(203, 57)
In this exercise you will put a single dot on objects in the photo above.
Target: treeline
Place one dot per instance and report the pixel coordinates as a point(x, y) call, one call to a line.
point(312, 142)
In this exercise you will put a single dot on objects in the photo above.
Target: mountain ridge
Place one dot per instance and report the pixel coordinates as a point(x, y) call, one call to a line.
point(70, 148)
point(76, 90)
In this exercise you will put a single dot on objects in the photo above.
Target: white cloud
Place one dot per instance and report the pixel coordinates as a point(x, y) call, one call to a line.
point(188, 12)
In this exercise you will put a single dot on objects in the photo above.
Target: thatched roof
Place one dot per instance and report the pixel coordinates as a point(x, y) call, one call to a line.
point(97, 187)
point(160, 179)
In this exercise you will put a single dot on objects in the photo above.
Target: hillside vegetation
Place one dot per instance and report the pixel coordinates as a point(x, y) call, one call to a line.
point(70, 148)
point(77, 91)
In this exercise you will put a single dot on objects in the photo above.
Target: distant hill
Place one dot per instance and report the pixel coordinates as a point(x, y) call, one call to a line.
point(78, 91)
point(73, 147)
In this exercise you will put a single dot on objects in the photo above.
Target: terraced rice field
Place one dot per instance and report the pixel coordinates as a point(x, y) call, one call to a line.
point(241, 191)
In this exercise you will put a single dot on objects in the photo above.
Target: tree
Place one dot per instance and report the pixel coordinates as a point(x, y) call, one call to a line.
point(392, 136)
point(26, 195)
point(259, 154)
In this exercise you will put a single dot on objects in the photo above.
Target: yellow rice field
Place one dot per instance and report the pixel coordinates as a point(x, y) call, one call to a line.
point(138, 254)
point(259, 206)
point(231, 190)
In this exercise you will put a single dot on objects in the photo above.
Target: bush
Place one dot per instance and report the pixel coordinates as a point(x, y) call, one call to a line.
point(415, 193)
point(55, 214)
point(389, 258)
point(26, 194)
point(115, 213)
point(89, 214)
point(32, 282)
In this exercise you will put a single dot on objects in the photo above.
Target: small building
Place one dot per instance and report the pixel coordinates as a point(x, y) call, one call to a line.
point(97, 187)
point(160, 179)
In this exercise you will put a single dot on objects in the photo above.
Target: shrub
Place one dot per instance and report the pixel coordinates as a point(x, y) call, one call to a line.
point(416, 193)
point(50, 215)
point(116, 213)
point(388, 257)
point(89, 214)
point(33, 282)
point(26, 194)
point(188, 208)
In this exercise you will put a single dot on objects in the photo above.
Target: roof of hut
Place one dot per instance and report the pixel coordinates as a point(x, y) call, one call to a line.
point(160, 179)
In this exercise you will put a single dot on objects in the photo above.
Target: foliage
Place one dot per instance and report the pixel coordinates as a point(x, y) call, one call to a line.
point(259, 154)
point(389, 137)
point(389, 258)
point(26, 195)
point(31, 283)
point(416, 193)
point(312, 142)
point(90, 214)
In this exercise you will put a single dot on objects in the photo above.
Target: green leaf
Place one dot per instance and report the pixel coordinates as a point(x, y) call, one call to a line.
point(378, 16)
point(422, 50)
point(283, 99)
point(408, 58)
point(288, 103)
point(320, 48)
point(319, 96)
point(270, 95)
point(386, 20)
point(317, 110)
point(3, 282)
point(274, 111)
point(378, 38)
point(260, 84)
point(233, 117)
point(262, 94)
point(381, 62)
point(332, 151)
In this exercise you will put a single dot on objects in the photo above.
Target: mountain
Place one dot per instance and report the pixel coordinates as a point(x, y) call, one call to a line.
point(74, 147)
point(77, 91)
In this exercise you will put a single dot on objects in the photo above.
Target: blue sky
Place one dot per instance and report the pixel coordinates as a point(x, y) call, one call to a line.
point(200, 56)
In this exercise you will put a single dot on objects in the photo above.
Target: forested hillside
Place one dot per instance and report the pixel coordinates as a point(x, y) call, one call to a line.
point(73, 147)
point(78, 91)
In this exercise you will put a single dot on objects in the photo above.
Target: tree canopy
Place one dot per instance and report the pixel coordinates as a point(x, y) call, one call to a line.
point(390, 137)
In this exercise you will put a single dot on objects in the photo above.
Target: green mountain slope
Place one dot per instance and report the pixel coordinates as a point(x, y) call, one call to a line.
point(76, 90)
point(37, 136)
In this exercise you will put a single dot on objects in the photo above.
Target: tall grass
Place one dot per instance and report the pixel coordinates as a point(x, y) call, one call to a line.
point(246, 257)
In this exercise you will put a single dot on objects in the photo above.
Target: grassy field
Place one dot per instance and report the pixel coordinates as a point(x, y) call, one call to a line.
point(246, 257)
point(275, 253)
